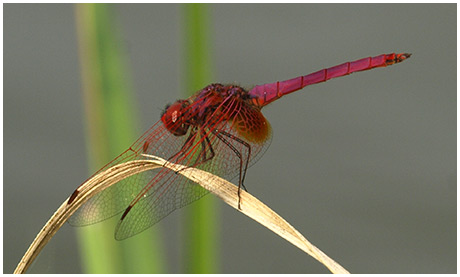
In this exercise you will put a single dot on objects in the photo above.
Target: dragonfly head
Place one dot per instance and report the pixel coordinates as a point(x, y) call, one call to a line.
point(174, 118)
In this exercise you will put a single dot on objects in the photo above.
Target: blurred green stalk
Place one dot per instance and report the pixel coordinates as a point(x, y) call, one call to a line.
point(112, 125)
point(200, 232)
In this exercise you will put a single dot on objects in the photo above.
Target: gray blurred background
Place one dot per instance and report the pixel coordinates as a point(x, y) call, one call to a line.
point(364, 166)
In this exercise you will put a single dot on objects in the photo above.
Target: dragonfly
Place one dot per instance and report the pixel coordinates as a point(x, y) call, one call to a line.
point(219, 129)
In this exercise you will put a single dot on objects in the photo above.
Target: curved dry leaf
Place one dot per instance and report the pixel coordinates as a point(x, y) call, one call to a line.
point(225, 190)
point(255, 209)
point(87, 190)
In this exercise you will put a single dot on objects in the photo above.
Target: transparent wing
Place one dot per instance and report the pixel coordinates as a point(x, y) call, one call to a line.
point(149, 196)
point(115, 199)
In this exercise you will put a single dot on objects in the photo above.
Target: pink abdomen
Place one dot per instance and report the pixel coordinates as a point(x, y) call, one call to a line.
point(264, 94)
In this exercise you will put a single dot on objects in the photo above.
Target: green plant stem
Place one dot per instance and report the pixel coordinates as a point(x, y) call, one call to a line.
point(111, 128)
point(201, 224)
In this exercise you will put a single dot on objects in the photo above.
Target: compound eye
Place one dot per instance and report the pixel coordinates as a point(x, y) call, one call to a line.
point(173, 118)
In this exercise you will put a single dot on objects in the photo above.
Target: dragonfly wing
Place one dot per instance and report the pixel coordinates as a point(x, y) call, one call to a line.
point(111, 201)
point(149, 196)
point(169, 191)
point(115, 199)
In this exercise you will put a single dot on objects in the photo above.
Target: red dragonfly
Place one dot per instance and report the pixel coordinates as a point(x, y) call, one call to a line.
point(219, 129)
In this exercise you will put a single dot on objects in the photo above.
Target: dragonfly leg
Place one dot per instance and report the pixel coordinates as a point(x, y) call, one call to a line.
point(205, 144)
point(202, 157)
point(243, 168)
point(181, 153)
point(187, 144)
